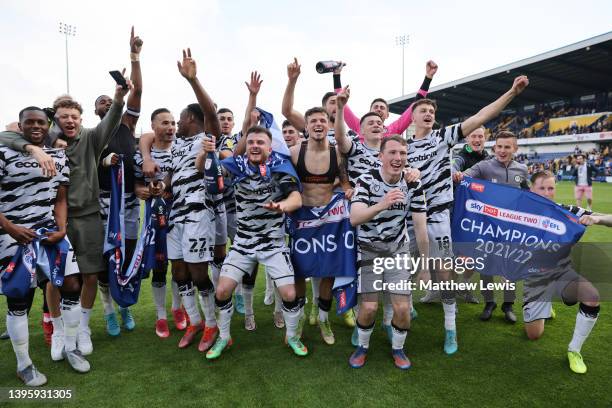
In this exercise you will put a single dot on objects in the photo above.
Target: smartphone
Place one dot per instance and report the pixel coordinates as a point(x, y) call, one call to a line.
point(119, 78)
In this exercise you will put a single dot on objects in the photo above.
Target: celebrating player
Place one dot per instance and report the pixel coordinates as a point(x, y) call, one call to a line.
point(380, 207)
point(563, 282)
point(28, 202)
point(264, 193)
point(429, 151)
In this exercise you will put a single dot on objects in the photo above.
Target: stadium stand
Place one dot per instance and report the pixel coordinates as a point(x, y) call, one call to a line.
point(567, 108)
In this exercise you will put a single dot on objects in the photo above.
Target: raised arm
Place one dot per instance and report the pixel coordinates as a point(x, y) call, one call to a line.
point(107, 127)
point(342, 141)
point(349, 117)
point(130, 117)
point(189, 71)
point(402, 123)
point(293, 116)
point(253, 86)
point(493, 109)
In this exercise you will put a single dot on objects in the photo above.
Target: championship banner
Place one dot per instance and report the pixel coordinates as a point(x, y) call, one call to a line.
point(323, 245)
point(510, 232)
point(124, 287)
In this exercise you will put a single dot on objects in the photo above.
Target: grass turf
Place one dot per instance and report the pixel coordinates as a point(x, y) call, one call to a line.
point(495, 365)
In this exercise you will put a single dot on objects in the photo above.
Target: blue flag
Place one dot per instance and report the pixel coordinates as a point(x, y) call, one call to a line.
point(510, 232)
point(323, 245)
point(266, 119)
point(124, 286)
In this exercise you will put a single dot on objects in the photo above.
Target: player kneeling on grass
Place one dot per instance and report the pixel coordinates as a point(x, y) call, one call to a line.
point(382, 202)
point(564, 282)
point(264, 193)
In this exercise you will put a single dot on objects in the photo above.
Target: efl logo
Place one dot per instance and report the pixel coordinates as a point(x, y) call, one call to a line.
point(490, 211)
point(477, 187)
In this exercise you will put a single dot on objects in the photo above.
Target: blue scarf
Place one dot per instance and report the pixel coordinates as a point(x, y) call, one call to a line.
point(20, 274)
point(240, 168)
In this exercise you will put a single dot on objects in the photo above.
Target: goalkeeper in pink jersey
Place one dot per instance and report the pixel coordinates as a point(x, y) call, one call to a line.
point(380, 106)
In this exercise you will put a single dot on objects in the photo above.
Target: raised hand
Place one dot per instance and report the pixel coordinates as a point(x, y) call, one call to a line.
point(430, 69)
point(135, 43)
point(294, 69)
point(519, 85)
point(188, 67)
point(343, 97)
point(255, 84)
point(120, 91)
point(255, 116)
point(339, 69)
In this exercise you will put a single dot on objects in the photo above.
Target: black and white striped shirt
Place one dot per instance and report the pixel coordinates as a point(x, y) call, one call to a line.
point(390, 225)
point(189, 197)
point(256, 225)
point(431, 155)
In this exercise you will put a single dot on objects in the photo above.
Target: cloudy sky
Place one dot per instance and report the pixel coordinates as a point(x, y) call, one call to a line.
point(230, 38)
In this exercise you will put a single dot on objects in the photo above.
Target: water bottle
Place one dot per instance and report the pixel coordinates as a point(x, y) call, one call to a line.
point(213, 174)
point(326, 66)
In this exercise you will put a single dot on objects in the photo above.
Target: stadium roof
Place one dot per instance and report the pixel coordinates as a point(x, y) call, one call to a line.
point(578, 69)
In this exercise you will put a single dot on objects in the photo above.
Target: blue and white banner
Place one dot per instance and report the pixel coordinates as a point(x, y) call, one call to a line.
point(20, 274)
point(510, 232)
point(323, 245)
point(124, 286)
point(266, 119)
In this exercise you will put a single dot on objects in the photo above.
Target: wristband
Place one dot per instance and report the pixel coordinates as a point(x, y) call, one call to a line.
point(132, 112)
point(425, 84)
point(134, 57)
point(337, 82)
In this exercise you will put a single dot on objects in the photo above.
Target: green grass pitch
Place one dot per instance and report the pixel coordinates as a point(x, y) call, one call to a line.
point(496, 366)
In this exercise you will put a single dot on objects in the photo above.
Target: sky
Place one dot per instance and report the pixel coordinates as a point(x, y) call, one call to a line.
point(231, 38)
